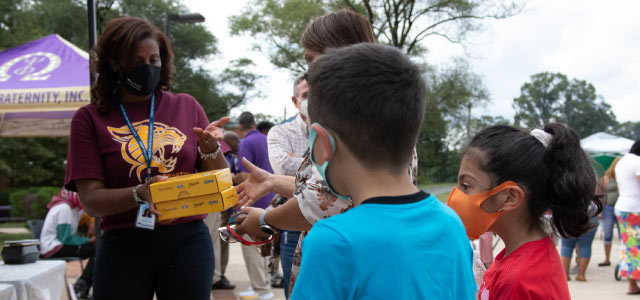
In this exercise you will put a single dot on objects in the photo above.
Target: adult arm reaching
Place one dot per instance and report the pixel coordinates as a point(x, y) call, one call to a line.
point(284, 217)
point(260, 182)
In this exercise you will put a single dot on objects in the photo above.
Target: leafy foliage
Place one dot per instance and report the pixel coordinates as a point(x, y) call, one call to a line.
point(630, 130)
point(552, 97)
point(280, 24)
point(451, 95)
point(403, 24)
point(31, 203)
point(33, 161)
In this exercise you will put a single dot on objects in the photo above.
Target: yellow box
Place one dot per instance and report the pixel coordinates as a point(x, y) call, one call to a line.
point(191, 185)
point(194, 194)
point(198, 205)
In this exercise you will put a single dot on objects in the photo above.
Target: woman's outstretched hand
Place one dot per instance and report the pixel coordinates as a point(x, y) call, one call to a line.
point(256, 186)
point(208, 138)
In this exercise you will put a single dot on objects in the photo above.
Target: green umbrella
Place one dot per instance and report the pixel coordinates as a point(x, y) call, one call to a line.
point(602, 160)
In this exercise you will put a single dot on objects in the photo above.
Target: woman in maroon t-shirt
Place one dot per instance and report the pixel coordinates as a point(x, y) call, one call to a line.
point(108, 166)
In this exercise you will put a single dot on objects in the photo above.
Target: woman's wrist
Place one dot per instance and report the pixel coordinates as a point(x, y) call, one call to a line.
point(208, 146)
point(136, 194)
point(205, 153)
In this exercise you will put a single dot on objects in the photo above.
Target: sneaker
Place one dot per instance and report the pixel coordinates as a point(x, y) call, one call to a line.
point(251, 294)
point(277, 281)
point(223, 284)
point(248, 294)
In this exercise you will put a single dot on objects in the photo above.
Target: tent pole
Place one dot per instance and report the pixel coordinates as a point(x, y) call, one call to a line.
point(91, 10)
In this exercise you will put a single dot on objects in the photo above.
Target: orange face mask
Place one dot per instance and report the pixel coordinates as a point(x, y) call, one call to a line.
point(476, 221)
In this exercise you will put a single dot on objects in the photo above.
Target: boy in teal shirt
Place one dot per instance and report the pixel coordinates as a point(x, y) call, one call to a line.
point(366, 106)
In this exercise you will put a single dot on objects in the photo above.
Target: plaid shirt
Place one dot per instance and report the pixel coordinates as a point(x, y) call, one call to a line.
point(284, 140)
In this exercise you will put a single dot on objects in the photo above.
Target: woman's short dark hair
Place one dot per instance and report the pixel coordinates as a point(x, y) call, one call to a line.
point(118, 44)
point(336, 30)
point(556, 178)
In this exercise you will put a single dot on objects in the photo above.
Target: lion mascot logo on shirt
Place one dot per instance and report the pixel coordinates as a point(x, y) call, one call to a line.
point(165, 139)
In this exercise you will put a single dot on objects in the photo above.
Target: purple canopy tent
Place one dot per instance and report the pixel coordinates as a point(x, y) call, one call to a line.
point(42, 83)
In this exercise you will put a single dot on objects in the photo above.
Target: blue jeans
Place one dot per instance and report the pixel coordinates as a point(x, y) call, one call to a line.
point(288, 243)
point(584, 244)
point(175, 262)
point(609, 220)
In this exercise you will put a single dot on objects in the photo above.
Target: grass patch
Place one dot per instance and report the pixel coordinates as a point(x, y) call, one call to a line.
point(12, 237)
point(427, 186)
point(443, 197)
point(14, 225)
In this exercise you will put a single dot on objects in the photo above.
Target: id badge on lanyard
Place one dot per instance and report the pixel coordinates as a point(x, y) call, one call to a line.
point(145, 219)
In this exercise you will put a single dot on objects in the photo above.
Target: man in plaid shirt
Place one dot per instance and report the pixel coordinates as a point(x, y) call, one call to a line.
point(287, 144)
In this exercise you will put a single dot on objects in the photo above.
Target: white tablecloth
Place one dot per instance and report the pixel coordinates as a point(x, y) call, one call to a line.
point(7, 292)
point(42, 280)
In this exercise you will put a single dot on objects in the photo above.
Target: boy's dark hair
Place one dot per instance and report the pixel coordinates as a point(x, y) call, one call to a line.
point(336, 30)
point(118, 43)
point(373, 97)
point(264, 127)
point(246, 120)
point(558, 178)
point(635, 148)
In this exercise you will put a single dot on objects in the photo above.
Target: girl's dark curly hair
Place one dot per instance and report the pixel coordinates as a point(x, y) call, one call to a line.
point(558, 177)
point(118, 44)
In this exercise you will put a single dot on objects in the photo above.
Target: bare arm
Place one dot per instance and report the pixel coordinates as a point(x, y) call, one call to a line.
point(99, 201)
point(285, 217)
point(260, 182)
point(219, 162)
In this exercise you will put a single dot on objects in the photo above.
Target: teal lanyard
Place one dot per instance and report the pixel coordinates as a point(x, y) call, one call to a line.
point(148, 151)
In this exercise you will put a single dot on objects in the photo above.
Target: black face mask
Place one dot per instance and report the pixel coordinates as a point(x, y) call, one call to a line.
point(142, 80)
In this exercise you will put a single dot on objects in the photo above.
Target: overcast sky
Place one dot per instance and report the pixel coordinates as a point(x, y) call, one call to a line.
point(596, 41)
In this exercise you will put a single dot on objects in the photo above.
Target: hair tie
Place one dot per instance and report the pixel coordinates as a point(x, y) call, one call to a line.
point(542, 136)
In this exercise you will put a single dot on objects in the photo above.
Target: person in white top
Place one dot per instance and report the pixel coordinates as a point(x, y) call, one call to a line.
point(288, 143)
point(628, 213)
point(58, 237)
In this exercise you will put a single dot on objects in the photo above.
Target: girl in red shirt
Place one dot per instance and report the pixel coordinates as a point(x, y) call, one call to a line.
point(507, 180)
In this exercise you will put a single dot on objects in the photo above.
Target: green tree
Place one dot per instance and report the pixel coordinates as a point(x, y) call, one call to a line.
point(403, 24)
point(451, 95)
point(260, 117)
point(460, 91)
point(630, 130)
point(552, 97)
point(33, 161)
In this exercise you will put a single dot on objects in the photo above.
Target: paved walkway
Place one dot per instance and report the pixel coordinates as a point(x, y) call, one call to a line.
point(600, 283)
point(13, 230)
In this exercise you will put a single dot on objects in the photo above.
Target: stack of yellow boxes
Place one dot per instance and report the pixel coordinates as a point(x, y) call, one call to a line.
point(194, 194)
